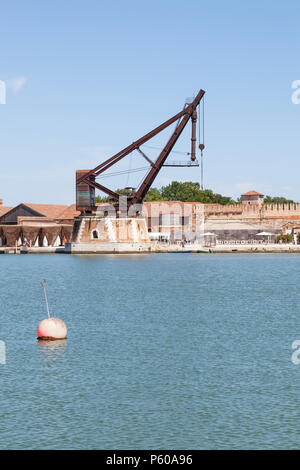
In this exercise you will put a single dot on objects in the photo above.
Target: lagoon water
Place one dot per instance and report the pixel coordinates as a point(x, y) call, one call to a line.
point(163, 352)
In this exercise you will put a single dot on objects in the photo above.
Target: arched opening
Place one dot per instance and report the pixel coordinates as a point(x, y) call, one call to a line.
point(95, 235)
point(45, 241)
point(57, 241)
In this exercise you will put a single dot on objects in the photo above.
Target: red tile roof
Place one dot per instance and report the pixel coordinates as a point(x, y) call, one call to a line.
point(69, 213)
point(4, 210)
point(252, 193)
point(52, 211)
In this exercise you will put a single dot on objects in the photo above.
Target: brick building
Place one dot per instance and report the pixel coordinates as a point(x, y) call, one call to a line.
point(50, 224)
point(36, 224)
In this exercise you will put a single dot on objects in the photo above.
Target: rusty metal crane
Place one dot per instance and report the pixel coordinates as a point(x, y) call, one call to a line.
point(86, 179)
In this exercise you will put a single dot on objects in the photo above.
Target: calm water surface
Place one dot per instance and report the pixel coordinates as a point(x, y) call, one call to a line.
point(163, 351)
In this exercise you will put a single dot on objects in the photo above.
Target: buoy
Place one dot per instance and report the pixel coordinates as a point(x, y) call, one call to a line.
point(51, 328)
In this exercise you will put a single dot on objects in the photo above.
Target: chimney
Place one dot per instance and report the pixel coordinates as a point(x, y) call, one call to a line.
point(1, 202)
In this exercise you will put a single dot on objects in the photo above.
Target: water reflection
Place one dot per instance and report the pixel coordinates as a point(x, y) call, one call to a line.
point(50, 349)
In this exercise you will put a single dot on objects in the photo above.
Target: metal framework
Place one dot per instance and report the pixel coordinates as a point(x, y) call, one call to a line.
point(85, 179)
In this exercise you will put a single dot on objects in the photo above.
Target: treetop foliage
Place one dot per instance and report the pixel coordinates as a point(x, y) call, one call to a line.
point(277, 200)
point(188, 191)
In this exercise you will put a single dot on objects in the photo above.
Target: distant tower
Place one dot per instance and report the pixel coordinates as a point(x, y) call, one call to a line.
point(253, 198)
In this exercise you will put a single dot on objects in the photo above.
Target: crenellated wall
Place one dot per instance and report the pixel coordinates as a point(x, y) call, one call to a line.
point(282, 210)
point(232, 222)
point(252, 211)
point(242, 222)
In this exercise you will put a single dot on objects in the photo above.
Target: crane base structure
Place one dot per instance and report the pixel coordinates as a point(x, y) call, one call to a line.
point(111, 229)
point(118, 225)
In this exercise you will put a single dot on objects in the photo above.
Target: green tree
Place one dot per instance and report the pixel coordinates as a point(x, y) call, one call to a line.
point(190, 192)
point(176, 191)
point(122, 192)
point(187, 191)
point(154, 194)
point(287, 238)
point(99, 199)
point(125, 192)
point(277, 200)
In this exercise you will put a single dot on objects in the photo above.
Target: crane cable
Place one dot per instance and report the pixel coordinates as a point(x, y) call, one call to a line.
point(129, 170)
point(122, 172)
point(172, 151)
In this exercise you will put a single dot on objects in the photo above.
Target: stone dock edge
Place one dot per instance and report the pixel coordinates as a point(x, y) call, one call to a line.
point(144, 248)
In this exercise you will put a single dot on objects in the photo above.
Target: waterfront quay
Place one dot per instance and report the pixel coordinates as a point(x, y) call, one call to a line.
point(160, 227)
point(151, 248)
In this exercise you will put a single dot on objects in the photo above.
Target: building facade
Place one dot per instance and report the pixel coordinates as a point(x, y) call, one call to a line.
point(36, 224)
point(172, 221)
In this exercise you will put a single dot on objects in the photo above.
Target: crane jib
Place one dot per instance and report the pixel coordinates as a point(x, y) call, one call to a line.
point(85, 179)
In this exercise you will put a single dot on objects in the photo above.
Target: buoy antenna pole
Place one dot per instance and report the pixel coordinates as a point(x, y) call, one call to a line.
point(43, 282)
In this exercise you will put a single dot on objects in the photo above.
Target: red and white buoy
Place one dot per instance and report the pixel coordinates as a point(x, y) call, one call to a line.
point(51, 328)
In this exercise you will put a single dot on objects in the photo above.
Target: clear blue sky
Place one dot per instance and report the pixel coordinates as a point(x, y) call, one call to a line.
point(85, 79)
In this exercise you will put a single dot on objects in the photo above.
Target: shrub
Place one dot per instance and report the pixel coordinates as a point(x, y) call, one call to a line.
point(285, 238)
